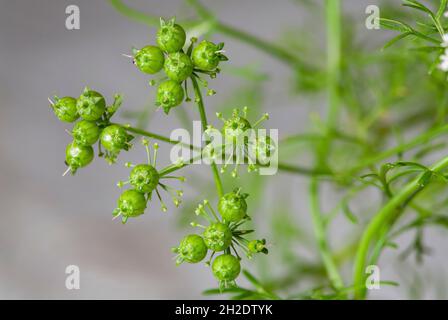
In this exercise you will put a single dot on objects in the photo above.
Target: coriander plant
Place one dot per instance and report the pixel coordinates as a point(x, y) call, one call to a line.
point(223, 233)
point(377, 141)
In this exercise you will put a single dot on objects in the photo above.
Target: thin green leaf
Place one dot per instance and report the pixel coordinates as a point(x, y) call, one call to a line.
point(441, 9)
point(433, 66)
point(389, 283)
point(370, 175)
point(349, 214)
point(252, 279)
point(425, 179)
point(411, 164)
point(396, 39)
point(395, 25)
point(245, 295)
point(428, 49)
point(441, 221)
point(417, 5)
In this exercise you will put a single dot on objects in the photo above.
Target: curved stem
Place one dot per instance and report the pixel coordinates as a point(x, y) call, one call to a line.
point(174, 167)
point(134, 14)
point(388, 213)
point(200, 103)
point(269, 48)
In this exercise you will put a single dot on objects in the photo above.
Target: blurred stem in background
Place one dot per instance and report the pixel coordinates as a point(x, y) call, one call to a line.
point(333, 20)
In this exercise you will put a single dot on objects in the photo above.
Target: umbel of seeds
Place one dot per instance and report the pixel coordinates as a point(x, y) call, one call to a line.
point(177, 64)
point(223, 235)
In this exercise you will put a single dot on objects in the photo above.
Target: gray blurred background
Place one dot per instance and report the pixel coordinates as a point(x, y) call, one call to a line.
point(49, 221)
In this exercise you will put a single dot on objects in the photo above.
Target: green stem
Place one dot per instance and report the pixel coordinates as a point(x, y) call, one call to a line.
point(174, 167)
point(269, 48)
point(303, 171)
point(156, 136)
point(134, 14)
point(333, 66)
point(387, 214)
point(200, 103)
point(319, 231)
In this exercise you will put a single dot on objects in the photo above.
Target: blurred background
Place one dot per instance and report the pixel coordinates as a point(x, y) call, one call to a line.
point(49, 222)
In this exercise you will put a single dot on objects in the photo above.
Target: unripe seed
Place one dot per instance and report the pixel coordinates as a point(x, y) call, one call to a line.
point(178, 66)
point(205, 56)
point(169, 94)
point(91, 105)
point(131, 203)
point(65, 109)
point(171, 37)
point(149, 59)
point(85, 133)
point(77, 156)
point(192, 249)
point(144, 178)
point(233, 207)
point(226, 267)
point(114, 138)
point(217, 236)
